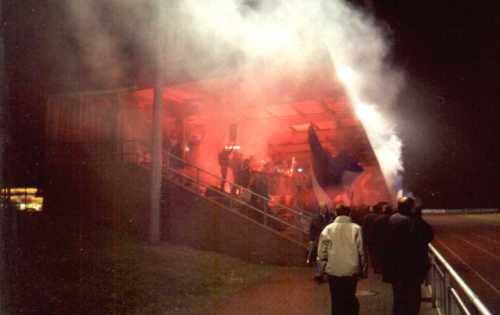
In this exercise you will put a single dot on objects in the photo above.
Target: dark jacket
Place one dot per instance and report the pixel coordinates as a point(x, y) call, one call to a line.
point(380, 236)
point(424, 235)
point(224, 158)
point(405, 254)
point(369, 228)
point(318, 223)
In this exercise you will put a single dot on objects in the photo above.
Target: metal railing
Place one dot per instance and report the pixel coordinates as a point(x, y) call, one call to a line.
point(203, 175)
point(263, 218)
point(290, 223)
point(448, 288)
point(261, 209)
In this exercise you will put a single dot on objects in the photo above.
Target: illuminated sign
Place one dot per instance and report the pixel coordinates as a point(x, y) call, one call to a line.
point(23, 198)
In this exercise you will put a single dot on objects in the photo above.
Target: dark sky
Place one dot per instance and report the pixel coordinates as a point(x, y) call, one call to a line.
point(449, 113)
point(448, 116)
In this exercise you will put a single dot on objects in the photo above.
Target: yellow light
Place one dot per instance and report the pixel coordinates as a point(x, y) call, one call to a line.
point(232, 147)
point(24, 198)
point(23, 190)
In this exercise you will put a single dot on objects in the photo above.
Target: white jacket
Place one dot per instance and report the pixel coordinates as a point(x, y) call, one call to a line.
point(341, 246)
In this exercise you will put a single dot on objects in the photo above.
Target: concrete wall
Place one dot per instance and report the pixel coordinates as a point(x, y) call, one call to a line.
point(195, 222)
point(117, 195)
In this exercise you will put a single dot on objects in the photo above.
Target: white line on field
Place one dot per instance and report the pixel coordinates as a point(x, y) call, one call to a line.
point(468, 266)
point(487, 252)
point(486, 238)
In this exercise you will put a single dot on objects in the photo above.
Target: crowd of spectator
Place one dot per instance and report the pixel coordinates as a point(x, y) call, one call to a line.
point(393, 242)
point(343, 241)
point(281, 179)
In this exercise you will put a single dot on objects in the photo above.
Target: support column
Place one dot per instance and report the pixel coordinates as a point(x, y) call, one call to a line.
point(115, 130)
point(156, 164)
point(4, 223)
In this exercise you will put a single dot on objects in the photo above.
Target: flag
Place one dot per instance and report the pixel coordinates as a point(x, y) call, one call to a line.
point(331, 172)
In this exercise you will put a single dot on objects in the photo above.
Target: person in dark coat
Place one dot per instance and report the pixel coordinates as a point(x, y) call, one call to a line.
point(369, 233)
point(224, 165)
point(404, 258)
point(380, 227)
point(236, 167)
point(259, 197)
point(245, 173)
point(318, 223)
point(424, 235)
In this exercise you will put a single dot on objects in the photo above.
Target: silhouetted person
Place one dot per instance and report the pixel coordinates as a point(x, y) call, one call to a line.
point(245, 173)
point(260, 187)
point(318, 223)
point(424, 235)
point(341, 248)
point(369, 233)
point(224, 165)
point(174, 156)
point(404, 261)
point(236, 167)
point(380, 236)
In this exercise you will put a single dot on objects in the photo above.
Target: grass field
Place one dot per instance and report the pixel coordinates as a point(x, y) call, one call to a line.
point(111, 273)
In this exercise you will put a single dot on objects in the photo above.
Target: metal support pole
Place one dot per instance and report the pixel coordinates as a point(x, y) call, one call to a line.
point(156, 166)
point(4, 224)
point(114, 118)
point(433, 281)
point(156, 143)
point(446, 294)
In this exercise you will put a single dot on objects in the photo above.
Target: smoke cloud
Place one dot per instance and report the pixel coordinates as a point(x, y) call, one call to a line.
point(283, 38)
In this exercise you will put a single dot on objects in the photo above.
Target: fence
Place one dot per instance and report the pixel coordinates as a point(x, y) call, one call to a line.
point(449, 289)
point(289, 222)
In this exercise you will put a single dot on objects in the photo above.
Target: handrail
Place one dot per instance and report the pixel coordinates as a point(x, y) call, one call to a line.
point(229, 208)
point(463, 286)
point(123, 150)
point(301, 213)
point(241, 202)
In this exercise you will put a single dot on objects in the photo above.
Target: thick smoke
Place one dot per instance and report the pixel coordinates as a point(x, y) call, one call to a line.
point(199, 39)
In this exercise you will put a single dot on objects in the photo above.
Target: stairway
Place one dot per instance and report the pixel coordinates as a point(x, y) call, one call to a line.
point(286, 222)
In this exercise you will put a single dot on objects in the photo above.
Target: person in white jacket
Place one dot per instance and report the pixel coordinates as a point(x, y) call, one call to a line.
point(340, 251)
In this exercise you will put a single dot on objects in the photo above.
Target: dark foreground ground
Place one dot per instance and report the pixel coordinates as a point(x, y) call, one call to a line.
point(67, 269)
point(471, 243)
point(292, 292)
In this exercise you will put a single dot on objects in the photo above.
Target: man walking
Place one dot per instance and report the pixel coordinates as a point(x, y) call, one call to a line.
point(370, 235)
point(405, 257)
point(341, 251)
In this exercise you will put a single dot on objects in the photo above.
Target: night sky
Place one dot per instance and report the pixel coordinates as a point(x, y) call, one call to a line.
point(447, 117)
point(449, 110)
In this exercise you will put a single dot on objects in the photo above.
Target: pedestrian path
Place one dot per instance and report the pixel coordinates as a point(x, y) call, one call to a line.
point(293, 292)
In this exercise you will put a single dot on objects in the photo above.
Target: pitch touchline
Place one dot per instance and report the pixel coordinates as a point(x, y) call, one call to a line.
point(468, 266)
point(483, 221)
point(481, 249)
point(486, 238)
